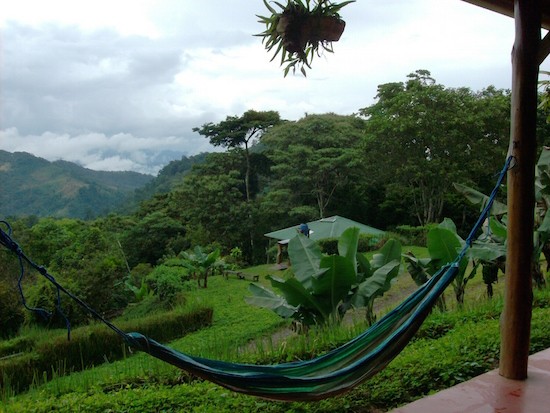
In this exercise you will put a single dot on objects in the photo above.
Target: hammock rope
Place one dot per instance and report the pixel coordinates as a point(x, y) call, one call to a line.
point(330, 374)
point(10, 244)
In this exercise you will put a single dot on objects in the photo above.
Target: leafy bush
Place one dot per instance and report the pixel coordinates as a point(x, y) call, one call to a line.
point(148, 306)
point(414, 235)
point(94, 345)
point(11, 315)
point(43, 295)
point(235, 259)
point(168, 281)
point(329, 246)
point(15, 345)
point(367, 242)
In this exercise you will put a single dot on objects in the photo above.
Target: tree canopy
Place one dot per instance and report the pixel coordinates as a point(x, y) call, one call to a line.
point(421, 137)
point(240, 132)
point(312, 159)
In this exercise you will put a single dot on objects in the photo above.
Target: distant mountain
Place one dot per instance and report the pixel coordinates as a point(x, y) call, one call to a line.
point(169, 176)
point(34, 186)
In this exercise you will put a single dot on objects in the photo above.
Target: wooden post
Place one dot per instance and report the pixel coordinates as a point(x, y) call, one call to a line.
point(516, 317)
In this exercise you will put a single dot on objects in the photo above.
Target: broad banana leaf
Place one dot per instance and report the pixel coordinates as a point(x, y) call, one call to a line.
point(498, 230)
point(417, 268)
point(449, 224)
point(377, 284)
point(348, 243)
point(333, 285)
point(443, 246)
point(268, 299)
point(478, 198)
point(364, 269)
point(305, 256)
point(297, 295)
point(389, 252)
point(486, 251)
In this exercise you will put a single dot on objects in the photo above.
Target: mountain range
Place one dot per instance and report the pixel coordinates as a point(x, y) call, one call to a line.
point(30, 185)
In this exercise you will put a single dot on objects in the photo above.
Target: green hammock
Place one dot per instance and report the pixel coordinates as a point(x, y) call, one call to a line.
point(330, 374)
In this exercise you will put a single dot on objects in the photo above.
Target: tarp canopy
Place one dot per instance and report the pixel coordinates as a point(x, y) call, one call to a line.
point(331, 227)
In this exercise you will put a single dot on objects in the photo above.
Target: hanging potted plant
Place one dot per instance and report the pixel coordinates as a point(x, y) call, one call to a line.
point(299, 31)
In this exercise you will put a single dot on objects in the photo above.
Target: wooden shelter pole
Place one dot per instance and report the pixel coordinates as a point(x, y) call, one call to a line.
point(518, 295)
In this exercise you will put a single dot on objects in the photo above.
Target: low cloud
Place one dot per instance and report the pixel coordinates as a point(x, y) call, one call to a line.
point(120, 152)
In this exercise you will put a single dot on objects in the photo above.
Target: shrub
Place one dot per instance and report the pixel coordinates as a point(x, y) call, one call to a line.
point(367, 242)
point(94, 345)
point(329, 246)
point(43, 295)
point(414, 235)
point(11, 315)
point(235, 259)
point(16, 345)
point(168, 281)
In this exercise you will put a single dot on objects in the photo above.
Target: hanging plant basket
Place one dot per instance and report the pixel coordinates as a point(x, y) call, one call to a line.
point(298, 31)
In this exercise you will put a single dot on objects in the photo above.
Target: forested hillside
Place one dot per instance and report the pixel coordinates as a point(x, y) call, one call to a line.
point(391, 164)
point(35, 186)
point(169, 176)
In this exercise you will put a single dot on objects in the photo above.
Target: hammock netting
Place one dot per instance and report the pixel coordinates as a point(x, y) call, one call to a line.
point(327, 375)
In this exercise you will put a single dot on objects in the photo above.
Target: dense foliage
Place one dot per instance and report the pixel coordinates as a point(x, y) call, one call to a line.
point(319, 289)
point(430, 136)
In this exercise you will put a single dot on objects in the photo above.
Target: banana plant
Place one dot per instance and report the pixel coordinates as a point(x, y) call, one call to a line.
point(495, 230)
point(444, 244)
point(201, 264)
point(319, 289)
point(139, 293)
point(418, 270)
point(375, 278)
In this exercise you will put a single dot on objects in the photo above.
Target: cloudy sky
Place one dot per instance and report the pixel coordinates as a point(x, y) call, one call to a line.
point(119, 84)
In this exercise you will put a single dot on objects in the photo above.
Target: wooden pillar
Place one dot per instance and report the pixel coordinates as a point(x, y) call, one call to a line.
point(516, 317)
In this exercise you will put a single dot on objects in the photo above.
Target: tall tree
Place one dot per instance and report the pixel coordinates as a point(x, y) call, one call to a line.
point(213, 202)
point(240, 133)
point(313, 158)
point(429, 136)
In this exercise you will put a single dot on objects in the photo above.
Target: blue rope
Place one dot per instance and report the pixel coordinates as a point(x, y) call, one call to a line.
point(5, 239)
point(485, 214)
point(10, 244)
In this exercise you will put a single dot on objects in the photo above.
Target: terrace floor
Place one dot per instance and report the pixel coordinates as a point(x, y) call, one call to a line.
point(492, 393)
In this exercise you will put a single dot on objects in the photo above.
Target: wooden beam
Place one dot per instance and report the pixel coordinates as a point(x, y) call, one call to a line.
point(506, 7)
point(518, 294)
point(544, 48)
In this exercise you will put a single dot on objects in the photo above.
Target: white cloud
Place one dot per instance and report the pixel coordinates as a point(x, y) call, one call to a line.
point(101, 152)
point(115, 84)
